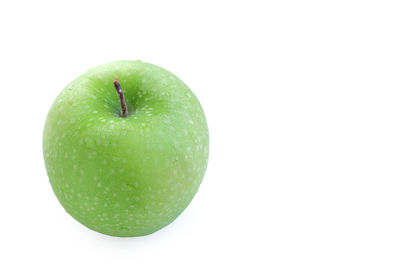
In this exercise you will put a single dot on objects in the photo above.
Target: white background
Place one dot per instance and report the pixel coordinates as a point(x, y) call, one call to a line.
point(302, 100)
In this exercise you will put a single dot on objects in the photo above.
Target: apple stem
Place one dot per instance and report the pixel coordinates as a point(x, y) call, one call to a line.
point(121, 97)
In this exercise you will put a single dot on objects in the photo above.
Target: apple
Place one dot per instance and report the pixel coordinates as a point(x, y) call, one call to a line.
point(126, 147)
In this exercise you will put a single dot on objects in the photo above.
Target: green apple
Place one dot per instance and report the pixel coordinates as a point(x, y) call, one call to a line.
point(126, 173)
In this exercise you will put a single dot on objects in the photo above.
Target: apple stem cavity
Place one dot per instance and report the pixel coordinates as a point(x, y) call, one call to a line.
point(117, 85)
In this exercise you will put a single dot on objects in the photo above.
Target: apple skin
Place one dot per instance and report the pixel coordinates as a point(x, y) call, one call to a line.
point(126, 176)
